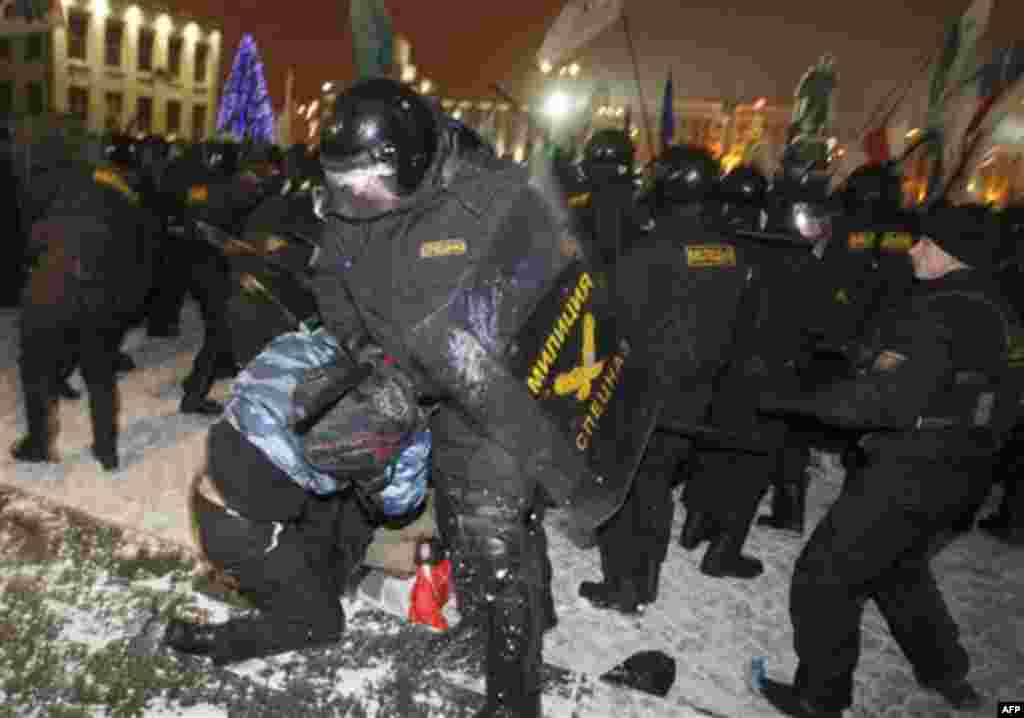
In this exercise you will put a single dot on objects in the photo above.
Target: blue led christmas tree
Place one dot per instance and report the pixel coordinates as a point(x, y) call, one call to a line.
point(245, 109)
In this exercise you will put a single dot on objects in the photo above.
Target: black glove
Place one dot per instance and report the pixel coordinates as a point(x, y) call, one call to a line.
point(361, 434)
point(322, 388)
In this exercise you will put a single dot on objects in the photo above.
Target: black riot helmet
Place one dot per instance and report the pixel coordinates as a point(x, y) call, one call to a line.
point(608, 156)
point(875, 187)
point(378, 149)
point(685, 173)
point(122, 150)
point(469, 141)
point(744, 184)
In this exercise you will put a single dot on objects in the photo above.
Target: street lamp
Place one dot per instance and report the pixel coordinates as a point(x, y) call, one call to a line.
point(545, 66)
point(326, 87)
point(558, 105)
point(574, 69)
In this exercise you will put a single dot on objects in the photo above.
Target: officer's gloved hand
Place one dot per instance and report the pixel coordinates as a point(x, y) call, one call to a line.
point(322, 388)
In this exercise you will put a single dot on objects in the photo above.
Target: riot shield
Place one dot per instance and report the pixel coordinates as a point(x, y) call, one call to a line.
point(591, 384)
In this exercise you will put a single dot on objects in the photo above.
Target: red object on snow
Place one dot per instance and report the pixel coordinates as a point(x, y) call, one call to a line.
point(431, 590)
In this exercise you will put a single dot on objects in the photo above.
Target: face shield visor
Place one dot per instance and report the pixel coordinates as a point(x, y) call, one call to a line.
point(362, 188)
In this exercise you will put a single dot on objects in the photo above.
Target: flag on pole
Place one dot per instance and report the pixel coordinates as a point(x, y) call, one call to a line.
point(24, 17)
point(956, 61)
point(579, 22)
point(372, 37)
point(668, 117)
point(994, 78)
point(998, 126)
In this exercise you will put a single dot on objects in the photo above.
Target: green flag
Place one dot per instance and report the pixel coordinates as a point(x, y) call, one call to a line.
point(956, 61)
point(372, 37)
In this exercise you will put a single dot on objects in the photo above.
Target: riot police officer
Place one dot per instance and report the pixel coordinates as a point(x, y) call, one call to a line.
point(208, 206)
point(934, 406)
point(667, 280)
point(436, 258)
point(767, 347)
point(740, 199)
point(608, 219)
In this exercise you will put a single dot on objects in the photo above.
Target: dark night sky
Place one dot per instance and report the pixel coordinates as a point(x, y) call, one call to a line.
point(748, 49)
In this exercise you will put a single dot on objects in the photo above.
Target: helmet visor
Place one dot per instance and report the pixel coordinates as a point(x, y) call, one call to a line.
point(360, 190)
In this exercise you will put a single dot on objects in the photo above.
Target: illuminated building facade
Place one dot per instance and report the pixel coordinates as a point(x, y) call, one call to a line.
point(115, 65)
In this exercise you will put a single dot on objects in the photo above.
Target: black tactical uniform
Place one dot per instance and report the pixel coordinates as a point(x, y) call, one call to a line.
point(767, 348)
point(12, 247)
point(608, 219)
point(211, 194)
point(92, 250)
point(681, 277)
point(934, 403)
point(441, 278)
point(1007, 523)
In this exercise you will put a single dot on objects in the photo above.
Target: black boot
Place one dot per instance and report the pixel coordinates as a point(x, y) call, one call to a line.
point(29, 449)
point(498, 553)
point(1003, 525)
point(789, 500)
point(724, 558)
point(513, 661)
point(614, 591)
point(786, 700)
point(699, 526)
point(650, 594)
point(959, 694)
point(66, 391)
point(241, 639)
point(124, 363)
point(622, 595)
point(192, 404)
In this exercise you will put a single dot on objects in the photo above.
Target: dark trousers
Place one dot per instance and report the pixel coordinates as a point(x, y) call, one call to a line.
point(207, 279)
point(294, 570)
point(490, 516)
point(875, 543)
point(634, 542)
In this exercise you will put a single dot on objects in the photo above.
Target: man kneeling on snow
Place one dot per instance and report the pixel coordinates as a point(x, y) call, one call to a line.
point(318, 446)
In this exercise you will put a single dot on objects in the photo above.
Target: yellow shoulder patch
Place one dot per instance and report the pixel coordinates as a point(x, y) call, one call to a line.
point(897, 242)
point(887, 241)
point(842, 297)
point(579, 200)
point(112, 179)
point(861, 240)
point(710, 255)
point(442, 248)
point(198, 193)
point(275, 244)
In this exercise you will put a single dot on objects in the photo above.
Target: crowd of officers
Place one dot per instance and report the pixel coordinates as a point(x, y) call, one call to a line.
point(839, 322)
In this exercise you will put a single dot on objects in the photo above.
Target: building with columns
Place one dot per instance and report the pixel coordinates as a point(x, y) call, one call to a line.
point(136, 66)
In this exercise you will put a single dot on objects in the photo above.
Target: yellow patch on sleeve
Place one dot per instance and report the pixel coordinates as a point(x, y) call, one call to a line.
point(897, 242)
point(198, 193)
point(115, 181)
point(710, 255)
point(861, 240)
point(443, 248)
point(579, 200)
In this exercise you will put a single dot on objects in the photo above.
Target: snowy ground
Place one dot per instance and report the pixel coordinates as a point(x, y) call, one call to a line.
point(712, 627)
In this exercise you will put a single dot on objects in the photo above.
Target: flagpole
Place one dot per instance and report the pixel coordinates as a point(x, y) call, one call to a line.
point(636, 78)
